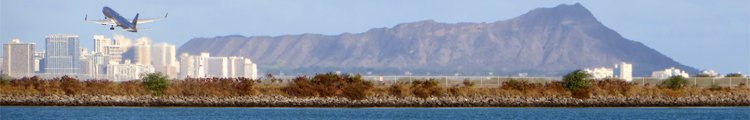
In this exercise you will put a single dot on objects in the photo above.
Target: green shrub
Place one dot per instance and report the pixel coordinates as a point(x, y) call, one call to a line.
point(675, 82)
point(578, 83)
point(155, 82)
point(5, 79)
point(577, 80)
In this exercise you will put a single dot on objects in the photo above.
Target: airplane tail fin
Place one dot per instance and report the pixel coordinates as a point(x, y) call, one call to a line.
point(135, 20)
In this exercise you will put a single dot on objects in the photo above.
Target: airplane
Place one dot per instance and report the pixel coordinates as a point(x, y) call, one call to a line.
point(113, 19)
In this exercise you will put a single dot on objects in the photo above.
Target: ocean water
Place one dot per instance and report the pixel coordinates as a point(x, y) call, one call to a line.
point(180, 113)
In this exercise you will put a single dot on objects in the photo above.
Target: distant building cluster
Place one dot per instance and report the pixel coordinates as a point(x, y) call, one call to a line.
point(600, 72)
point(709, 73)
point(117, 59)
point(203, 65)
point(624, 70)
point(669, 72)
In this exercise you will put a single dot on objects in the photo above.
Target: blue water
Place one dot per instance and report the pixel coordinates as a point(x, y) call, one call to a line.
point(98, 113)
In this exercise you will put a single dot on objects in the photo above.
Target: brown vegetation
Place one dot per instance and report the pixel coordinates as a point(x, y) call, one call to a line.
point(349, 86)
point(465, 89)
point(212, 87)
point(330, 85)
point(425, 89)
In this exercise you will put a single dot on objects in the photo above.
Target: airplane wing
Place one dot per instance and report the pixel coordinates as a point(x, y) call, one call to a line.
point(148, 20)
point(102, 22)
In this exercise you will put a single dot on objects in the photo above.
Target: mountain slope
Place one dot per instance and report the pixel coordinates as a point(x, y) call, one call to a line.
point(544, 41)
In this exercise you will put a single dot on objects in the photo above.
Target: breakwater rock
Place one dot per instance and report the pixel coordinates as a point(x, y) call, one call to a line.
point(378, 101)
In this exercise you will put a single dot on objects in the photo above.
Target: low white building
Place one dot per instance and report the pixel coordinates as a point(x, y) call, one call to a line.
point(710, 73)
point(669, 72)
point(127, 71)
point(600, 72)
point(225, 67)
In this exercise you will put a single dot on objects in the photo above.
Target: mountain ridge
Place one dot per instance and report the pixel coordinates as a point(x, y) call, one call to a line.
point(543, 42)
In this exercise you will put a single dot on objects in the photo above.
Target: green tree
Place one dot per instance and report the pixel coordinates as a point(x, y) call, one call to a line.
point(155, 82)
point(5, 79)
point(578, 83)
point(577, 80)
point(675, 82)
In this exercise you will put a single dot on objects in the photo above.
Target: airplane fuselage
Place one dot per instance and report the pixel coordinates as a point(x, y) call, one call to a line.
point(119, 20)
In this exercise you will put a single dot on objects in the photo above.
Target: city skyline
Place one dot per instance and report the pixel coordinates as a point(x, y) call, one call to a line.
point(720, 29)
point(117, 59)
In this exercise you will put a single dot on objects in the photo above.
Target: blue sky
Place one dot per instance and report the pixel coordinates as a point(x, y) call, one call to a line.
point(700, 33)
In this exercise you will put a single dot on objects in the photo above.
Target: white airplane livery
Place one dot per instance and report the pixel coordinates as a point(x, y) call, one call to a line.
point(113, 19)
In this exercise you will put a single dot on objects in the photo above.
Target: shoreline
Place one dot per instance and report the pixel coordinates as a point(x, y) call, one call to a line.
point(374, 102)
point(367, 107)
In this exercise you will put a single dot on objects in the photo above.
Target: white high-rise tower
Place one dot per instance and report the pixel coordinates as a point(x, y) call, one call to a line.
point(625, 71)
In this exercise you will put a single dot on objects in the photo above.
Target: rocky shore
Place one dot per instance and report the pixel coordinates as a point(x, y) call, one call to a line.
point(384, 101)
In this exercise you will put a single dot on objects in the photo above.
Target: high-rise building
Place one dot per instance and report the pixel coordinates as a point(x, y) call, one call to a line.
point(187, 66)
point(251, 69)
point(163, 59)
point(625, 71)
point(1, 65)
point(62, 54)
point(87, 67)
point(193, 66)
point(236, 67)
point(127, 71)
point(93, 66)
point(117, 48)
point(226, 67)
point(207, 66)
point(142, 50)
point(38, 57)
point(115, 53)
point(101, 43)
point(217, 67)
point(18, 59)
point(242, 67)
